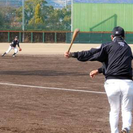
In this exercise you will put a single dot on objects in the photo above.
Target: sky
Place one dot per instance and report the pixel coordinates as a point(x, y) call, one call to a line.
point(55, 3)
point(58, 3)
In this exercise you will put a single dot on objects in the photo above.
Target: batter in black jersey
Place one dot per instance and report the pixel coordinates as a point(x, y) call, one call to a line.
point(13, 46)
point(116, 57)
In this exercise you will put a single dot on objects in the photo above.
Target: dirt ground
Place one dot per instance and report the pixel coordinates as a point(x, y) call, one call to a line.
point(46, 93)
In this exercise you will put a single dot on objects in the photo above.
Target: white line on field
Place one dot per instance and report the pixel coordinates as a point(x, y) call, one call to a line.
point(51, 88)
point(81, 87)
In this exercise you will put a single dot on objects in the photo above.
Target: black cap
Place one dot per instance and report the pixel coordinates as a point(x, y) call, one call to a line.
point(118, 31)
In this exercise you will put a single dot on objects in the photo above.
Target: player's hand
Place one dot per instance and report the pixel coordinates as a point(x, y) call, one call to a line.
point(93, 73)
point(67, 54)
point(20, 49)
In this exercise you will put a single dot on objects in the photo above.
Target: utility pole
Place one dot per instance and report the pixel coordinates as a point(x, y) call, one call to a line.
point(23, 19)
point(71, 15)
point(65, 3)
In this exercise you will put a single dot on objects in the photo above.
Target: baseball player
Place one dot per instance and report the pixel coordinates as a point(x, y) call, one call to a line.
point(13, 46)
point(116, 57)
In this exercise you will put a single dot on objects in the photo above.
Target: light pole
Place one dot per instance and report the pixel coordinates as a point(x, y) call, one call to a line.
point(23, 16)
point(65, 3)
point(71, 15)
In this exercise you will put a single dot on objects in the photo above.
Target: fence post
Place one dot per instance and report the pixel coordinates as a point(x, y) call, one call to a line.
point(8, 36)
point(90, 34)
point(31, 37)
point(66, 37)
point(55, 37)
point(20, 37)
point(43, 37)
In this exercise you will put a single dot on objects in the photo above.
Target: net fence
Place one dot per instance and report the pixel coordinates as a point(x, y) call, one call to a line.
point(53, 20)
point(37, 15)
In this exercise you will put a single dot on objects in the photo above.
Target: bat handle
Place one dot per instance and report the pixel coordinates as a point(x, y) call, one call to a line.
point(68, 50)
point(73, 38)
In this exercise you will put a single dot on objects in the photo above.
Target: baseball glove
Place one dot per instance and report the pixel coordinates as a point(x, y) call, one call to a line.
point(20, 49)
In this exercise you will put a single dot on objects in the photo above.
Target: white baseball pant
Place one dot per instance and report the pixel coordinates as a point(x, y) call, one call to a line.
point(10, 48)
point(120, 97)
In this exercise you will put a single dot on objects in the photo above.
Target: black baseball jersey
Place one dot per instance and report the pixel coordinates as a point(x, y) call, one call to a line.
point(14, 43)
point(115, 55)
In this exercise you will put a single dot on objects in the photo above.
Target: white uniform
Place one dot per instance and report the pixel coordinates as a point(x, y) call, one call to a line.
point(116, 57)
point(120, 97)
point(12, 48)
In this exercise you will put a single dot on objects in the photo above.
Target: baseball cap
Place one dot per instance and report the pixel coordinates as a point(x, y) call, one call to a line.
point(118, 31)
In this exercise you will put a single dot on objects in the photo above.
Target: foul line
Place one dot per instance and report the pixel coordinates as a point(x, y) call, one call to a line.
point(50, 88)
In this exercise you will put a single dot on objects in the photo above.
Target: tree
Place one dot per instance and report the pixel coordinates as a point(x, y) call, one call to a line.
point(37, 19)
point(8, 18)
point(1, 20)
point(31, 9)
point(59, 19)
point(40, 16)
point(67, 18)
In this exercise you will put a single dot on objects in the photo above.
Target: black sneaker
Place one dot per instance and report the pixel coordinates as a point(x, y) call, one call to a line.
point(13, 55)
point(125, 130)
point(3, 54)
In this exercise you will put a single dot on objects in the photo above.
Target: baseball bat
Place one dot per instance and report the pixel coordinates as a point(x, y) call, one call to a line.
point(76, 31)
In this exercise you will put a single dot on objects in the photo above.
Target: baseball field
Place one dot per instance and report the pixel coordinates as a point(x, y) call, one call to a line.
point(43, 92)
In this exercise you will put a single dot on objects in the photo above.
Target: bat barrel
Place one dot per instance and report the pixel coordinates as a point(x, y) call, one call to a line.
point(75, 33)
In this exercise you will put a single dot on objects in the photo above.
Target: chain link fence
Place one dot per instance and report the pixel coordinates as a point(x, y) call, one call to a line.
point(51, 21)
point(35, 15)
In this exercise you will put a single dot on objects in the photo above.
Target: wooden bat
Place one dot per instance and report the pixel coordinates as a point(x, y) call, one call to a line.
point(76, 31)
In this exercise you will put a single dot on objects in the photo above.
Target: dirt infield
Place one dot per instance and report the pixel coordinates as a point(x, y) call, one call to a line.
point(48, 48)
point(46, 93)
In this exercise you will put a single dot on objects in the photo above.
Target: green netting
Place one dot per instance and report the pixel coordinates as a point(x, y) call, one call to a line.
point(129, 38)
point(3, 37)
point(12, 35)
point(49, 37)
point(37, 37)
point(60, 37)
point(95, 38)
point(27, 37)
point(106, 37)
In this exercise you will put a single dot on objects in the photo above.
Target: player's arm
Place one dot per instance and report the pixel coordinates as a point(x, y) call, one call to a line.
point(83, 55)
point(97, 71)
point(94, 54)
point(18, 44)
point(20, 49)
